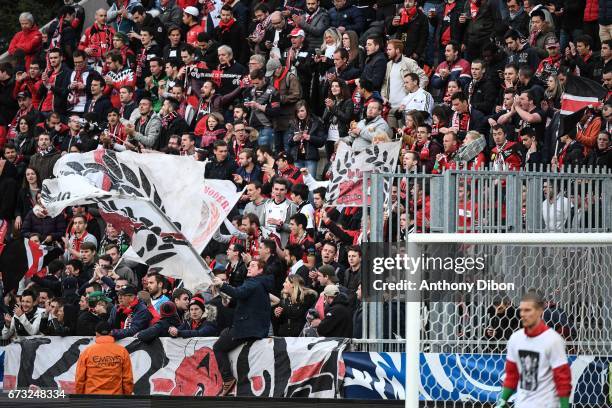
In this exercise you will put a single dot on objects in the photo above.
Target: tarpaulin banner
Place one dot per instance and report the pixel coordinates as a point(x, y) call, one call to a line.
point(272, 367)
point(459, 377)
point(346, 184)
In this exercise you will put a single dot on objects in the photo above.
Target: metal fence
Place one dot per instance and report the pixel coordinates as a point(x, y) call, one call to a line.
point(490, 201)
point(577, 281)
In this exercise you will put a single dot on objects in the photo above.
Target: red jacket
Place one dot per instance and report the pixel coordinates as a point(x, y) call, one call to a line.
point(100, 40)
point(32, 85)
point(29, 41)
point(591, 10)
point(510, 155)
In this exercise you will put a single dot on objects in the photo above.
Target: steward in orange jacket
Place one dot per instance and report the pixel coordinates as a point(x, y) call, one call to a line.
point(105, 367)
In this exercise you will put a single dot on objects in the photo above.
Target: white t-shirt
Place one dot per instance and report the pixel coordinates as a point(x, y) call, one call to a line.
point(420, 100)
point(275, 211)
point(535, 358)
point(308, 211)
point(396, 86)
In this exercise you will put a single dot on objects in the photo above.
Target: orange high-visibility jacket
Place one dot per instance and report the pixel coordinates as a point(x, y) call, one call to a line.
point(104, 368)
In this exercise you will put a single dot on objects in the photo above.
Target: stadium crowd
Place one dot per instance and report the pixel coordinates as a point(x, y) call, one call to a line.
point(265, 91)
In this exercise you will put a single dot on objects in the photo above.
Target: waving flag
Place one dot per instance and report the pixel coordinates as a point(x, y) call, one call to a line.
point(160, 201)
point(24, 258)
point(581, 93)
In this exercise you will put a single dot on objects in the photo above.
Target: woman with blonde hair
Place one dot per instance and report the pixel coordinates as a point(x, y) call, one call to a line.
point(290, 313)
point(331, 42)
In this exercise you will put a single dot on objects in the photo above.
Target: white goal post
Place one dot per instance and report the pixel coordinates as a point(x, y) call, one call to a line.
point(413, 308)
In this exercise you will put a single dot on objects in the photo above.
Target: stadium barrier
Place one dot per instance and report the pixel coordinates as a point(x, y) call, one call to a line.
point(291, 368)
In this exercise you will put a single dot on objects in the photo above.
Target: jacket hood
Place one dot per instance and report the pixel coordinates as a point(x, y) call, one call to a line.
point(341, 299)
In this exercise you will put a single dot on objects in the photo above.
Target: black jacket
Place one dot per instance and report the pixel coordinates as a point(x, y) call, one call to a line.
point(236, 275)
point(87, 322)
point(8, 105)
point(252, 312)
point(341, 115)
point(221, 170)
point(350, 280)
point(375, 69)
point(318, 137)
point(236, 39)
point(101, 108)
point(293, 318)
point(413, 34)
point(482, 95)
point(140, 319)
point(338, 320)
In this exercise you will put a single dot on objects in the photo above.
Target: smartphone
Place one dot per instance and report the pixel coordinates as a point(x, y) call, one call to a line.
point(318, 52)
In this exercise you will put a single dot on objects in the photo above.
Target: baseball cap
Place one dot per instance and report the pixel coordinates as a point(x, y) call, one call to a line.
point(272, 65)
point(95, 297)
point(297, 32)
point(128, 290)
point(24, 94)
point(331, 290)
point(191, 11)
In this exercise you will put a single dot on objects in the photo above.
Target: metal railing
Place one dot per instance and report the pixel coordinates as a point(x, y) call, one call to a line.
point(576, 280)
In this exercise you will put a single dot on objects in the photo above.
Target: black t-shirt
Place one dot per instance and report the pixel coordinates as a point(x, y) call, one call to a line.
point(538, 127)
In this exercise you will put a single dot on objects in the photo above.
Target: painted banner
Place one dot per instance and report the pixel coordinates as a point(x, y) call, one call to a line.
point(162, 202)
point(346, 185)
point(272, 367)
point(460, 377)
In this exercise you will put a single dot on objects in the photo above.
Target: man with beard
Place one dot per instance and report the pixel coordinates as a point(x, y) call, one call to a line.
point(452, 68)
point(77, 236)
point(118, 77)
point(276, 39)
point(191, 74)
point(314, 23)
point(144, 125)
point(363, 132)
point(171, 122)
point(56, 81)
point(44, 160)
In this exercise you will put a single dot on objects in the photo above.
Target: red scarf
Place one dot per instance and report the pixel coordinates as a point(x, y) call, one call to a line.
point(446, 34)
point(73, 96)
point(406, 16)
point(127, 311)
point(278, 80)
point(474, 7)
point(225, 27)
point(77, 241)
